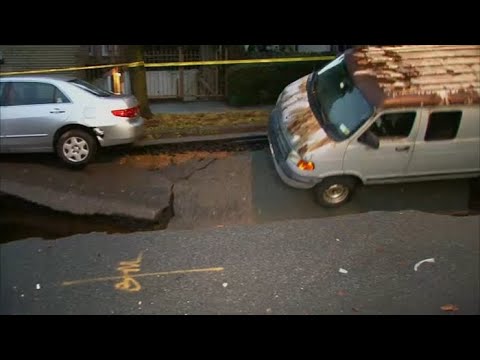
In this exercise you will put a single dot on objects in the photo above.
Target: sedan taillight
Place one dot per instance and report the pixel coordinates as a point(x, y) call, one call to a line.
point(129, 113)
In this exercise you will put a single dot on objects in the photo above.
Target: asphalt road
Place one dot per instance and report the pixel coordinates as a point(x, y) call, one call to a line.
point(288, 267)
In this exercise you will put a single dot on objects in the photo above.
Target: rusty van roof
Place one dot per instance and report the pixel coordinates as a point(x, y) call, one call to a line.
point(416, 75)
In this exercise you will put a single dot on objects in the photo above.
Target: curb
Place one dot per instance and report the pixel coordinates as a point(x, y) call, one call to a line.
point(193, 139)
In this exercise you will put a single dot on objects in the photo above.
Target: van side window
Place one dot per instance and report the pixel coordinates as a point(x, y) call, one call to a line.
point(31, 93)
point(394, 125)
point(443, 125)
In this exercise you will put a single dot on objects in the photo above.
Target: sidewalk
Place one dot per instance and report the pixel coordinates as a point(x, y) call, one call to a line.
point(176, 122)
point(180, 107)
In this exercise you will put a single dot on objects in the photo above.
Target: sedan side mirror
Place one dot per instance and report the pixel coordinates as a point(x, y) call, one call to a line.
point(370, 139)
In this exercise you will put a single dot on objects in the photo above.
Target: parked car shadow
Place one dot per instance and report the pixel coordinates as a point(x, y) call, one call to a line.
point(37, 158)
point(104, 155)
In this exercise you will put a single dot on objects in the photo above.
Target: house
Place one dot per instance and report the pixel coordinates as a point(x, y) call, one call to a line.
point(113, 79)
point(192, 82)
point(206, 82)
point(34, 57)
point(183, 83)
point(297, 48)
point(322, 48)
point(39, 57)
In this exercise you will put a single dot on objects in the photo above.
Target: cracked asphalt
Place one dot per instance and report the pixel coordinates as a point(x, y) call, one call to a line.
point(242, 188)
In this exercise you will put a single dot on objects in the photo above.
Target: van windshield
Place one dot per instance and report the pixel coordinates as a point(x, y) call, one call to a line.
point(342, 104)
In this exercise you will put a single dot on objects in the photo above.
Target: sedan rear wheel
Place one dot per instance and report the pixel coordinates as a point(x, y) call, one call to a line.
point(76, 148)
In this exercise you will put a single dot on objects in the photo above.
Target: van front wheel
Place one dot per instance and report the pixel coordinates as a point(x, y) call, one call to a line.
point(335, 191)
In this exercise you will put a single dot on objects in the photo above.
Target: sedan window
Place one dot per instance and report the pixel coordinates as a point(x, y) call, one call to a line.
point(32, 93)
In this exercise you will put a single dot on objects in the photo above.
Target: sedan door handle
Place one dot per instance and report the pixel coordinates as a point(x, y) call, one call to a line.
point(402, 148)
point(57, 112)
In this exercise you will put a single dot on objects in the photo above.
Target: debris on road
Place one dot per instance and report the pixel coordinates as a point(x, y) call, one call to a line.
point(139, 303)
point(37, 287)
point(431, 260)
point(449, 308)
point(343, 271)
point(355, 309)
point(337, 239)
point(342, 293)
point(225, 285)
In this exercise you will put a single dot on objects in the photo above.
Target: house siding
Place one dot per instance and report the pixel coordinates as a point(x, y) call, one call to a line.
point(34, 57)
point(314, 48)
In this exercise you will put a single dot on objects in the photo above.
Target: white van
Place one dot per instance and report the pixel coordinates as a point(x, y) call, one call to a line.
point(376, 115)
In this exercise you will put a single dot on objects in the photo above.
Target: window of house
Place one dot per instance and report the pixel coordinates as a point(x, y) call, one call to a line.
point(113, 50)
point(31, 93)
point(104, 50)
point(91, 50)
point(443, 125)
point(110, 50)
point(394, 125)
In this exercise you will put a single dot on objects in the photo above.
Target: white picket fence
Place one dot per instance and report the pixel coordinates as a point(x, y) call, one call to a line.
point(165, 84)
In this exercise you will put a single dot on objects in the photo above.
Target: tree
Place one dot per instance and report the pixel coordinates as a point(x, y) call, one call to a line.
point(139, 81)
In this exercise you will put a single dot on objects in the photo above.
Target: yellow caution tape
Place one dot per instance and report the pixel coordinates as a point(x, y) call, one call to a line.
point(45, 71)
point(230, 62)
point(170, 64)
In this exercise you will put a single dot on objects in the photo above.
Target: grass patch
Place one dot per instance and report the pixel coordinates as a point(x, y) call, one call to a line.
point(196, 124)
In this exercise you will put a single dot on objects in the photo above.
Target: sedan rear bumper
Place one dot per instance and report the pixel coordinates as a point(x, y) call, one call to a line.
point(125, 132)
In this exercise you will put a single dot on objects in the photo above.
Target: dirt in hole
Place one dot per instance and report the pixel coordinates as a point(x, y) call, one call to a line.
point(20, 219)
point(160, 161)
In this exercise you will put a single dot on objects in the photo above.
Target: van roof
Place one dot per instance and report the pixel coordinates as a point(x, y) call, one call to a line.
point(416, 75)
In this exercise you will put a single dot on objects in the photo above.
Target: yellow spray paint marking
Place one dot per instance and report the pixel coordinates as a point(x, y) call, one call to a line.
point(128, 283)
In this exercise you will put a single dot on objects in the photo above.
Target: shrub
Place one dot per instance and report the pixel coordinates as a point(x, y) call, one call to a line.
point(256, 84)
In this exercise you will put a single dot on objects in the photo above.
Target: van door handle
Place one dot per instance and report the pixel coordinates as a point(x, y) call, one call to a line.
point(402, 148)
point(57, 112)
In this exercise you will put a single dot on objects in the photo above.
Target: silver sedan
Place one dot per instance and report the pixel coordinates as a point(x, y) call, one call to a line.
point(65, 115)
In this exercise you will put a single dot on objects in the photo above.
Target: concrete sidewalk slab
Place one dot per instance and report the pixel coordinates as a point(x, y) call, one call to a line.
point(192, 139)
point(179, 107)
point(105, 189)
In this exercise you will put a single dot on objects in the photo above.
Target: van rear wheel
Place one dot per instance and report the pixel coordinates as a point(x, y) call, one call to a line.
point(335, 191)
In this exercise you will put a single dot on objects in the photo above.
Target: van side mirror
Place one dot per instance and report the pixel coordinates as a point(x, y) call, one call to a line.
point(370, 139)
